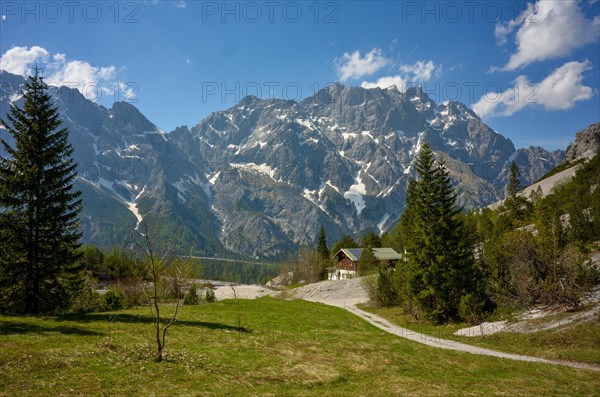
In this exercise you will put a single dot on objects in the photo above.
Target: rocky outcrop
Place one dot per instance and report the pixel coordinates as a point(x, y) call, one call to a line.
point(587, 143)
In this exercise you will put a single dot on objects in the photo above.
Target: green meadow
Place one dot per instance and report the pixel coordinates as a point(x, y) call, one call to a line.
point(263, 347)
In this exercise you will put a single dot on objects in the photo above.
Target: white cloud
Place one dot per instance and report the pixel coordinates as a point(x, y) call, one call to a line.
point(3, 18)
point(181, 4)
point(353, 66)
point(18, 60)
point(416, 73)
point(80, 75)
point(559, 91)
point(127, 90)
point(421, 71)
point(386, 82)
point(59, 70)
point(548, 29)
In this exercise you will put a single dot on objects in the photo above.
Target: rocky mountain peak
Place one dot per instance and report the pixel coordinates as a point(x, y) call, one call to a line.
point(261, 177)
point(127, 119)
point(587, 143)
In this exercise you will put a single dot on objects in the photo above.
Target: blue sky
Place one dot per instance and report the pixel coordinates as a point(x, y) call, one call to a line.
point(530, 69)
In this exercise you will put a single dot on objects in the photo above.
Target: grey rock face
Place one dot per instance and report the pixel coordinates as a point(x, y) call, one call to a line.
point(587, 143)
point(260, 178)
point(341, 158)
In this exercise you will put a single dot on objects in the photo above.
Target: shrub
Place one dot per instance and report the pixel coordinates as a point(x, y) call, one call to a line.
point(86, 301)
point(114, 301)
point(131, 290)
point(471, 309)
point(191, 297)
point(381, 289)
point(210, 295)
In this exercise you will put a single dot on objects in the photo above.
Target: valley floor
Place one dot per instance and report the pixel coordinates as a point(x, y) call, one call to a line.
point(280, 348)
point(347, 294)
point(268, 347)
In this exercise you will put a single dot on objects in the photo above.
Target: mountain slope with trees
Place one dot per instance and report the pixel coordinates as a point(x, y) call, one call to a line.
point(527, 251)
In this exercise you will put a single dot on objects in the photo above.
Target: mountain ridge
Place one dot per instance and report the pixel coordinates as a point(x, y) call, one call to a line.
point(259, 178)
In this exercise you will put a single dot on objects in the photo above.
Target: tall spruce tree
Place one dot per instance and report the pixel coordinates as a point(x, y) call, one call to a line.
point(367, 261)
point(515, 204)
point(345, 242)
point(322, 249)
point(38, 206)
point(514, 180)
point(371, 239)
point(323, 254)
point(440, 268)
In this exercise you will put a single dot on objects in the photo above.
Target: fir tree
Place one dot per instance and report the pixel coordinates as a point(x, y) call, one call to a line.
point(514, 180)
point(371, 239)
point(367, 260)
point(322, 250)
point(440, 266)
point(344, 242)
point(514, 204)
point(323, 254)
point(39, 218)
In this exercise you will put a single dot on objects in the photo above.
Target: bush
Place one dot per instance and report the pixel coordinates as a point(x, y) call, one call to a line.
point(210, 295)
point(471, 309)
point(572, 276)
point(191, 297)
point(131, 290)
point(86, 301)
point(381, 288)
point(114, 301)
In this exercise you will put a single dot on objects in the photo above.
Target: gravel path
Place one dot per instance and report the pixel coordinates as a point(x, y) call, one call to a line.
point(347, 293)
point(242, 292)
point(440, 343)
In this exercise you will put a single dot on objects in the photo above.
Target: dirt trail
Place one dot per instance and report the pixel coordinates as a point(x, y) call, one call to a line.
point(346, 294)
point(242, 292)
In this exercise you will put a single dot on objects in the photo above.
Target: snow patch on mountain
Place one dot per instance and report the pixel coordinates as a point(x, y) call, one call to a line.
point(381, 224)
point(356, 194)
point(107, 186)
point(260, 168)
point(181, 190)
point(313, 196)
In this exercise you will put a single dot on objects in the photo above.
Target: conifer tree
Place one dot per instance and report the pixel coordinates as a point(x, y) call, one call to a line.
point(323, 254)
point(367, 260)
point(39, 206)
point(513, 203)
point(345, 242)
point(371, 239)
point(514, 181)
point(440, 269)
point(322, 249)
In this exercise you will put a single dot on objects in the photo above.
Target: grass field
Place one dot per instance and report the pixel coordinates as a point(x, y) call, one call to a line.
point(578, 341)
point(283, 348)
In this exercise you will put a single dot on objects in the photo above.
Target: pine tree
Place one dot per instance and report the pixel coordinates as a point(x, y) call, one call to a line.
point(514, 180)
point(323, 254)
point(344, 242)
point(39, 220)
point(440, 268)
point(371, 239)
point(322, 250)
point(367, 260)
point(515, 204)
